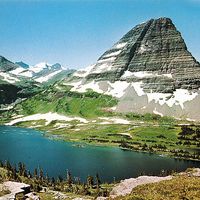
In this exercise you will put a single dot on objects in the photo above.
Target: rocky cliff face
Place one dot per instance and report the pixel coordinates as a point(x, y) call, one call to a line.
point(149, 70)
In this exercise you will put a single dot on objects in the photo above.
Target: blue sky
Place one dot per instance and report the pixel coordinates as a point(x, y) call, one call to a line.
point(76, 32)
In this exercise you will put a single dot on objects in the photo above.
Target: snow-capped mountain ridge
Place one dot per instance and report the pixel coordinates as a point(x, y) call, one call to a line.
point(40, 72)
point(19, 80)
point(43, 72)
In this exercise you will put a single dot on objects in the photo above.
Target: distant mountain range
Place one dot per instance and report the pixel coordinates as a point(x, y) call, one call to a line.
point(21, 80)
point(42, 72)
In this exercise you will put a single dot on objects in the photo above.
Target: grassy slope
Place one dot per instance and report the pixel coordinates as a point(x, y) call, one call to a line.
point(146, 132)
point(180, 187)
point(86, 105)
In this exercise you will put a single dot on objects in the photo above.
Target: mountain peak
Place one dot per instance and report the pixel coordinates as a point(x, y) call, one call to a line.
point(6, 65)
point(163, 19)
point(149, 69)
point(42, 64)
point(155, 45)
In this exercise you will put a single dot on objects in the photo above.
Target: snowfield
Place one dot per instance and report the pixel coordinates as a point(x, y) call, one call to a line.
point(35, 72)
point(118, 90)
point(179, 97)
point(113, 120)
point(17, 71)
point(39, 67)
point(112, 54)
point(48, 117)
point(144, 74)
point(46, 78)
point(120, 45)
point(8, 78)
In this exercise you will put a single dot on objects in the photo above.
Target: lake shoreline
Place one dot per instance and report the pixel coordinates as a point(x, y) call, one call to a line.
point(54, 136)
point(61, 155)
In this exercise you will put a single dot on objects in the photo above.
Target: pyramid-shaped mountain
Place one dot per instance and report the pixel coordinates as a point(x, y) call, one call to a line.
point(149, 70)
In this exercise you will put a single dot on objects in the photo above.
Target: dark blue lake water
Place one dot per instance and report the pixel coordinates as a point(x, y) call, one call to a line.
point(55, 157)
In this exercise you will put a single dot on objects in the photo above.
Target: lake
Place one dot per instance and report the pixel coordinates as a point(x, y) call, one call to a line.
point(55, 157)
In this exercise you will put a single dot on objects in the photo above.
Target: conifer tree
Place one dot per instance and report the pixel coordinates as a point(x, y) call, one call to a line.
point(90, 181)
point(35, 173)
point(98, 182)
point(69, 178)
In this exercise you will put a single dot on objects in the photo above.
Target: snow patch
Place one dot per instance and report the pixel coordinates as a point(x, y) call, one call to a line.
point(120, 45)
point(158, 97)
point(17, 71)
point(7, 108)
point(142, 49)
point(46, 78)
point(157, 113)
point(113, 108)
point(102, 123)
point(127, 74)
point(48, 117)
point(83, 88)
point(127, 134)
point(110, 59)
point(112, 120)
point(27, 74)
point(117, 89)
point(112, 54)
point(144, 74)
point(60, 126)
point(39, 67)
point(167, 75)
point(8, 78)
point(179, 97)
point(191, 120)
point(77, 129)
point(17, 116)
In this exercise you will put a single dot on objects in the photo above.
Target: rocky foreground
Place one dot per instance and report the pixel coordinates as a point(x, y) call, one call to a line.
point(189, 180)
point(126, 186)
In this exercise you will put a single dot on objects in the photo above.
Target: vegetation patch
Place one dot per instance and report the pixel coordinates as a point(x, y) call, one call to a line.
point(180, 187)
point(147, 132)
point(68, 187)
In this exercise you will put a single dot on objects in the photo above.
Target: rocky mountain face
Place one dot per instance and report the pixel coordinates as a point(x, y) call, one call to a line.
point(149, 70)
point(6, 65)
